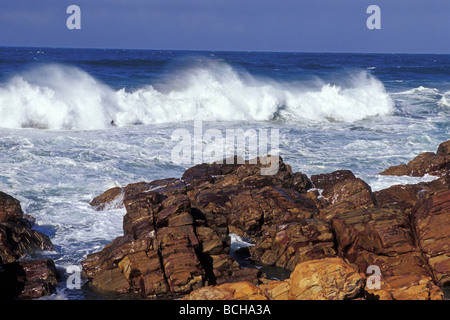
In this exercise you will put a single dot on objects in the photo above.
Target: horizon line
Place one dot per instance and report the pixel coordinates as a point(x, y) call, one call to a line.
point(220, 50)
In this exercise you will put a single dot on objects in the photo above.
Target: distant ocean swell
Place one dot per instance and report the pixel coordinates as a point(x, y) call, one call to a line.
point(61, 97)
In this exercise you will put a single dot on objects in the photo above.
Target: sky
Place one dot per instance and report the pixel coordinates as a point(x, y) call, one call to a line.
point(407, 26)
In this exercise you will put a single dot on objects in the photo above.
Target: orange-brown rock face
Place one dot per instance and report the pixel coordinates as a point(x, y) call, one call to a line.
point(331, 231)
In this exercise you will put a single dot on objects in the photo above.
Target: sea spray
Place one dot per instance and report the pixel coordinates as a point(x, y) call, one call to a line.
point(62, 97)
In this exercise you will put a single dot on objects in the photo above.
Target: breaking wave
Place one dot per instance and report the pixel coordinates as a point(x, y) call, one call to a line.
point(63, 97)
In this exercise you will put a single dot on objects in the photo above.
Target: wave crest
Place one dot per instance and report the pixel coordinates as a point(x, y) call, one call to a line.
point(60, 97)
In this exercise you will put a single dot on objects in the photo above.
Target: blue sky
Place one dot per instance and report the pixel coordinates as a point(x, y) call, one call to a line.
point(409, 26)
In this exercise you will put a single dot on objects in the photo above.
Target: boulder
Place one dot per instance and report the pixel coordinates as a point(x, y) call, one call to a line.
point(383, 237)
point(326, 181)
point(425, 163)
point(444, 149)
point(228, 291)
point(355, 191)
point(276, 290)
point(325, 279)
point(22, 279)
point(28, 279)
point(285, 245)
point(110, 199)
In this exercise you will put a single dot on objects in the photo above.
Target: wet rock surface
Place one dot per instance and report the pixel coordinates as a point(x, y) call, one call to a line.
point(176, 238)
point(22, 279)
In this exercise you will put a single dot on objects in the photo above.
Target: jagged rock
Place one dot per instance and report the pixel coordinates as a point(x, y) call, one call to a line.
point(180, 228)
point(425, 163)
point(326, 181)
point(383, 237)
point(286, 245)
point(407, 287)
point(176, 235)
point(432, 226)
point(16, 236)
point(444, 149)
point(28, 279)
point(346, 196)
point(22, 279)
point(110, 198)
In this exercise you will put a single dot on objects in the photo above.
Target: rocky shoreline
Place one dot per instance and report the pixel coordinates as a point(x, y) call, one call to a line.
point(19, 278)
point(336, 238)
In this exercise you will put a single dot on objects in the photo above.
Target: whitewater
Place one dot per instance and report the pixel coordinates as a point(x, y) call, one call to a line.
point(62, 97)
point(58, 148)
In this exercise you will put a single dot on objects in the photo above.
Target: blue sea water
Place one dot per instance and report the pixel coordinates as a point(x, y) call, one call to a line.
point(58, 149)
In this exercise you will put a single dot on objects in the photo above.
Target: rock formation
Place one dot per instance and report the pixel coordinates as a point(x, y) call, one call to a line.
point(22, 279)
point(330, 230)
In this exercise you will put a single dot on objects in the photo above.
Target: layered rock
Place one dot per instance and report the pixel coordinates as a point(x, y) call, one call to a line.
point(325, 279)
point(322, 279)
point(425, 163)
point(181, 227)
point(228, 291)
point(22, 279)
point(432, 227)
point(286, 245)
point(329, 230)
point(28, 279)
point(383, 237)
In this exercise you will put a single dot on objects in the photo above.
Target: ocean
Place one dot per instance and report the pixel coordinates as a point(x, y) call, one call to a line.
point(76, 122)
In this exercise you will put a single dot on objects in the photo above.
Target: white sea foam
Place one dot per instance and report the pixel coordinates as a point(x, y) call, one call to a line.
point(55, 97)
point(237, 242)
point(381, 182)
point(445, 100)
point(420, 89)
point(61, 97)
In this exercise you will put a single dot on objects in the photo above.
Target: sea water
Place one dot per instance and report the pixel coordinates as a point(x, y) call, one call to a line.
point(59, 149)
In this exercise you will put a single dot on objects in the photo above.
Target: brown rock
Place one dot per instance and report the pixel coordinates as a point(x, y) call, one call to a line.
point(444, 149)
point(325, 279)
point(110, 199)
point(425, 163)
point(16, 240)
point(22, 280)
point(354, 190)
point(276, 290)
point(326, 181)
point(182, 267)
point(404, 195)
point(111, 280)
point(176, 233)
point(28, 279)
point(186, 224)
point(143, 272)
point(383, 237)
point(228, 291)
point(340, 191)
point(412, 287)
point(10, 209)
point(432, 226)
point(285, 245)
